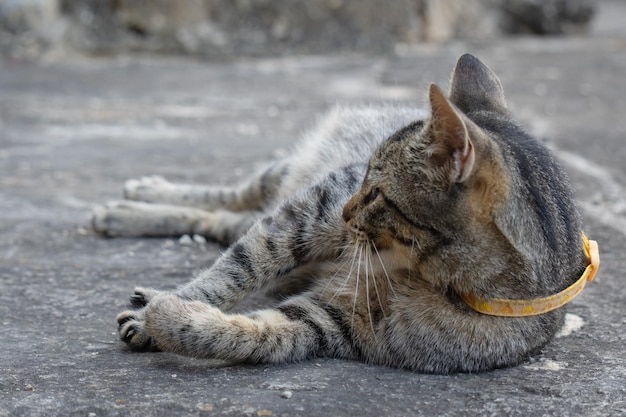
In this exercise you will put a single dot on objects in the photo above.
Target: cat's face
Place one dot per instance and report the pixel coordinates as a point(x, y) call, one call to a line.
point(431, 182)
point(407, 197)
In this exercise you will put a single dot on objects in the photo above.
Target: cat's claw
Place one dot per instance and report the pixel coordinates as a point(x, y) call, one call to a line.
point(131, 322)
point(138, 300)
point(142, 296)
point(123, 320)
point(131, 331)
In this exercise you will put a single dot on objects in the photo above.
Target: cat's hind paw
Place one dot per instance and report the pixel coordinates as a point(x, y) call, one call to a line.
point(148, 188)
point(118, 218)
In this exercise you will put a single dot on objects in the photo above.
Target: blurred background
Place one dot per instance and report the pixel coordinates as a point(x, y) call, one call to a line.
point(221, 29)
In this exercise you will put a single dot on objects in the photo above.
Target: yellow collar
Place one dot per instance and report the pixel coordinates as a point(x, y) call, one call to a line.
point(522, 308)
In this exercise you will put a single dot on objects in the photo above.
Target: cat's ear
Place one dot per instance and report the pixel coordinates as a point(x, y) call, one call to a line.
point(451, 134)
point(475, 87)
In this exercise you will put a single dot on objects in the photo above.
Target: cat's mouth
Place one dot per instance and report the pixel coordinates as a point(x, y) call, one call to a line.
point(357, 234)
point(377, 238)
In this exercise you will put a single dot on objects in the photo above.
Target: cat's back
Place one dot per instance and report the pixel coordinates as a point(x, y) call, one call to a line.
point(344, 136)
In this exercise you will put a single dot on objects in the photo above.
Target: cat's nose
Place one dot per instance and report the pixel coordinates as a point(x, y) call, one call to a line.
point(347, 211)
point(346, 215)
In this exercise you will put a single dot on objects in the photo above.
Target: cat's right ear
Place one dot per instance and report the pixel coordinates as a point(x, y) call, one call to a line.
point(475, 87)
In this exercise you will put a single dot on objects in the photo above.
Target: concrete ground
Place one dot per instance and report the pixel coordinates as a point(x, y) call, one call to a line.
point(72, 132)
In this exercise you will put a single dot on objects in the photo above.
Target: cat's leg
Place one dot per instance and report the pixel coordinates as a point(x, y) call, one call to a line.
point(132, 218)
point(308, 227)
point(300, 328)
point(250, 195)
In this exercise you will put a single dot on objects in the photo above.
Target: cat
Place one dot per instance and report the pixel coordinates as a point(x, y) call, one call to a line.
point(381, 219)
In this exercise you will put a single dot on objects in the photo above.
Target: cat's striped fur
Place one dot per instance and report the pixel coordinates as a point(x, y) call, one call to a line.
point(381, 222)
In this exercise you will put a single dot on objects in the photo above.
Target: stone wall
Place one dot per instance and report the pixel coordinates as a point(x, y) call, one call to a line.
point(224, 28)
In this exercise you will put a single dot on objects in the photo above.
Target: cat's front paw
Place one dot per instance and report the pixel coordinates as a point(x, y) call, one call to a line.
point(131, 323)
point(142, 296)
point(131, 328)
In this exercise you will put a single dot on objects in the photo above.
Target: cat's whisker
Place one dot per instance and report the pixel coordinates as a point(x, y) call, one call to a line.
point(356, 287)
point(417, 243)
point(367, 286)
point(339, 267)
point(348, 275)
point(380, 301)
point(382, 264)
point(414, 243)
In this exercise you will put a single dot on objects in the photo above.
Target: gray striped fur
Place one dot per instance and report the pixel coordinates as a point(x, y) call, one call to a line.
point(380, 218)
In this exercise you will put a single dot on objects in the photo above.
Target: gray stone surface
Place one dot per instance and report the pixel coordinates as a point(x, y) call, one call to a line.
point(72, 132)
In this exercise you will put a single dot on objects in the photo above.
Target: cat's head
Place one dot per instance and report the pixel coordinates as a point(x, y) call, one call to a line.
point(434, 180)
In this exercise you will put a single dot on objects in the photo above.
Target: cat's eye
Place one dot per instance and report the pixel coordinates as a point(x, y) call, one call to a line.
point(372, 195)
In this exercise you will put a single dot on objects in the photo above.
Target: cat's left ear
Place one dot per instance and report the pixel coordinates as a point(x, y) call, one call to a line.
point(450, 132)
point(475, 87)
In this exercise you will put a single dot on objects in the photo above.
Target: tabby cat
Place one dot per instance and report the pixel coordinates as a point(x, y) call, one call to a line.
point(381, 218)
